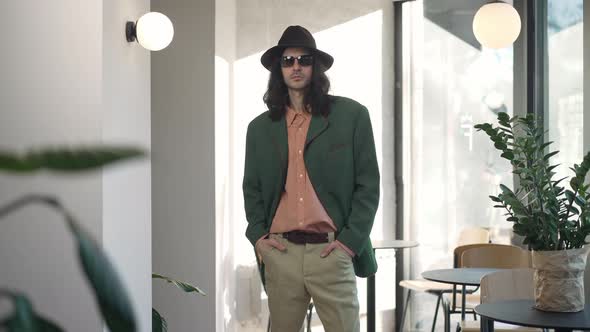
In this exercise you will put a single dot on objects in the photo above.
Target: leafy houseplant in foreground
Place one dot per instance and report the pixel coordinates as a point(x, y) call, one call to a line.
point(113, 301)
point(158, 322)
point(553, 219)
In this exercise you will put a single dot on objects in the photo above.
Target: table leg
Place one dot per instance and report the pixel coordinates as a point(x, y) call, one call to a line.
point(371, 303)
point(463, 295)
point(486, 325)
point(399, 294)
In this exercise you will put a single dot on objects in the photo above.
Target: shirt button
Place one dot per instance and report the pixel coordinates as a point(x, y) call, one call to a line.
point(300, 175)
point(301, 199)
point(299, 151)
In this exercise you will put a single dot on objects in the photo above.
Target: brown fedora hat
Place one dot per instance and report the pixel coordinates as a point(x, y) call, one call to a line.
point(296, 36)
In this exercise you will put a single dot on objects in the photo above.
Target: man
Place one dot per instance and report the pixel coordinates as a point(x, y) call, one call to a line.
point(311, 189)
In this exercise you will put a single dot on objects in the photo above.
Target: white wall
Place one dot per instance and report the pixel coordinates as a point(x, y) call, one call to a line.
point(50, 93)
point(57, 68)
point(126, 119)
point(183, 161)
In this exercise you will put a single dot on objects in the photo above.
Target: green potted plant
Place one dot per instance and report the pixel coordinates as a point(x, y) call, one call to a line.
point(553, 219)
point(159, 324)
point(111, 295)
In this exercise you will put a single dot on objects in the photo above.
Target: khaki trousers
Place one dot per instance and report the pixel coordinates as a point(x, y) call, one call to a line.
point(299, 274)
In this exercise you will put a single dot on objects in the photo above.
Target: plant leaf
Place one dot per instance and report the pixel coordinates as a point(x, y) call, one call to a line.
point(495, 199)
point(483, 126)
point(544, 145)
point(549, 155)
point(66, 159)
point(113, 301)
point(508, 155)
point(500, 146)
point(505, 189)
point(24, 318)
point(180, 284)
point(503, 116)
point(575, 183)
point(555, 183)
point(552, 167)
point(159, 324)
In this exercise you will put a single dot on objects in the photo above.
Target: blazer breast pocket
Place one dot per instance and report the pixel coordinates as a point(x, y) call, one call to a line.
point(338, 155)
point(337, 146)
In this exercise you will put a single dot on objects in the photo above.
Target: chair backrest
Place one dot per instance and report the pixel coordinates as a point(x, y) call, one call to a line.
point(458, 252)
point(472, 235)
point(499, 256)
point(511, 284)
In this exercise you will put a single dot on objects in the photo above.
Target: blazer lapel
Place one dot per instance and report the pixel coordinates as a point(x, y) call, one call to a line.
point(317, 126)
point(278, 137)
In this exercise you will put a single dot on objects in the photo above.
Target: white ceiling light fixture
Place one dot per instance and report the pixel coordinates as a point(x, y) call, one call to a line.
point(496, 25)
point(153, 31)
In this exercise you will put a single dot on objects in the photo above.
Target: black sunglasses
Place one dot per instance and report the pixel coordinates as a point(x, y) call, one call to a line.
point(303, 60)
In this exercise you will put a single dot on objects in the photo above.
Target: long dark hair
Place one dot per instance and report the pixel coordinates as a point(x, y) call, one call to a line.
point(276, 96)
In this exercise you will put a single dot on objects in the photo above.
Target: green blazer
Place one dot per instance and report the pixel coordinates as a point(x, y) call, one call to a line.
point(342, 166)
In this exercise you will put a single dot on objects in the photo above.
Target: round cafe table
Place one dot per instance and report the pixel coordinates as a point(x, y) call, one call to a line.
point(458, 276)
point(522, 313)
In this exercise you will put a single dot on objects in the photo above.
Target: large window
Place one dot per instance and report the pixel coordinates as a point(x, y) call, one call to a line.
point(450, 84)
point(564, 114)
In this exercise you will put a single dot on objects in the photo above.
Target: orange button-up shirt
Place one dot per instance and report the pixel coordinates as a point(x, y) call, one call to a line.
point(299, 207)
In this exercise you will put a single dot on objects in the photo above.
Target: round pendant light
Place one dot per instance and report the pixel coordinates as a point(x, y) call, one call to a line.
point(496, 25)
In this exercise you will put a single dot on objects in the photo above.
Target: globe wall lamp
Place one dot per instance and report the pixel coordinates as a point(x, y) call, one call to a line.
point(153, 31)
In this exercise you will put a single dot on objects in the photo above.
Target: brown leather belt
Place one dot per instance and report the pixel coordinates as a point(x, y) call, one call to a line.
point(299, 237)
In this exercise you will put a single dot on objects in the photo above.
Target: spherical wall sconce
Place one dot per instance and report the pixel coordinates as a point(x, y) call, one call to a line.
point(153, 31)
point(496, 25)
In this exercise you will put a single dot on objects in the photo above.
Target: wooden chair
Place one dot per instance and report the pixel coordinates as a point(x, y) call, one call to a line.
point(452, 300)
point(500, 256)
point(468, 235)
point(485, 255)
point(510, 284)
point(472, 235)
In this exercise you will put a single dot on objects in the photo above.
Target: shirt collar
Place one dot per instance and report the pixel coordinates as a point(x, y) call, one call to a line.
point(291, 115)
